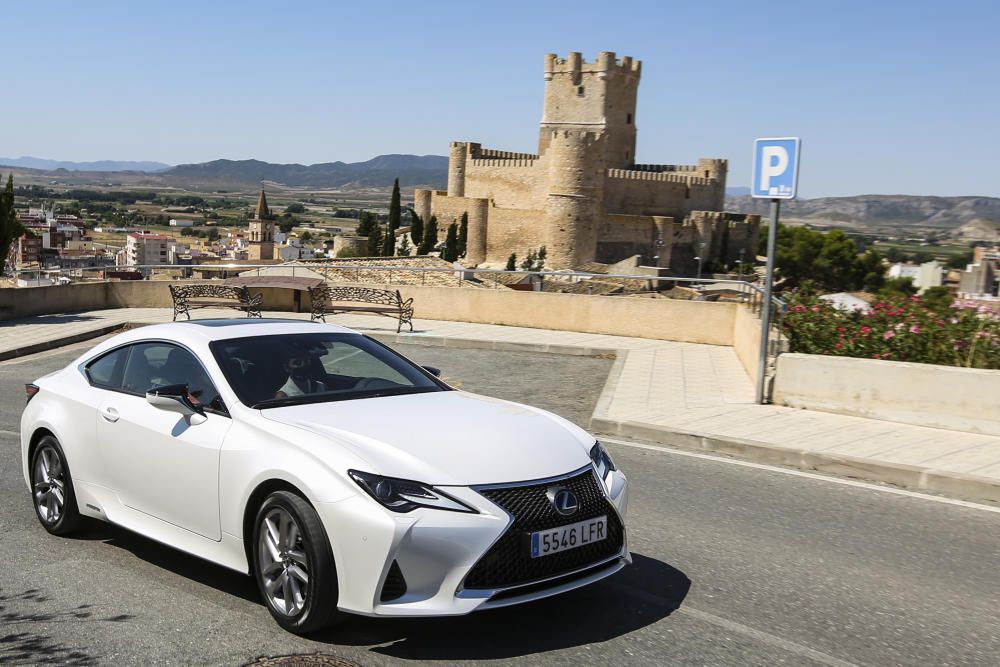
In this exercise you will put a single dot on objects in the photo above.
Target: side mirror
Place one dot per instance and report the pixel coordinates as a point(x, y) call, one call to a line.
point(433, 370)
point(174, 398)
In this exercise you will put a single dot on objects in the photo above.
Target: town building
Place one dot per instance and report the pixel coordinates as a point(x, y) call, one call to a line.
point(146, 248)
point(582, 195)
point(924, 276)
point(261, 237)
point(981, 278)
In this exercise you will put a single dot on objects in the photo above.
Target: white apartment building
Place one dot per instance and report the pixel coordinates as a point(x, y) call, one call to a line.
point(144, 248)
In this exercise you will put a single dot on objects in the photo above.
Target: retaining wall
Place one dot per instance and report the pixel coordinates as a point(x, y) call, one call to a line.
point(961, 399)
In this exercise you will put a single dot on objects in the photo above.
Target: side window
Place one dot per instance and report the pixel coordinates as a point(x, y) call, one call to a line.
point(158, 364)
point(106, 371)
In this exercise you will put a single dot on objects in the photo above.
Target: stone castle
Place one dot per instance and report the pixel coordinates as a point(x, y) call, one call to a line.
point(583, 196)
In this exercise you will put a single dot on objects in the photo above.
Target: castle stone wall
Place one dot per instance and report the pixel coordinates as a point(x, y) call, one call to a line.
point(513, 230)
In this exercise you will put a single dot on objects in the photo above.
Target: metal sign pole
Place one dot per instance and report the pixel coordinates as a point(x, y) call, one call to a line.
point(765, 312)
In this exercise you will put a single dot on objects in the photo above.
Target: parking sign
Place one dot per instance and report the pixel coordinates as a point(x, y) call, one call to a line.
point(775, 168)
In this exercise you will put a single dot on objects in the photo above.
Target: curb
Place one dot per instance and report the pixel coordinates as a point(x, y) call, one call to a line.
point(45, 345)
point(899, 474)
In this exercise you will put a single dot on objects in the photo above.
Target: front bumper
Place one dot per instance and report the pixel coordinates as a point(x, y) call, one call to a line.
point(435, 550)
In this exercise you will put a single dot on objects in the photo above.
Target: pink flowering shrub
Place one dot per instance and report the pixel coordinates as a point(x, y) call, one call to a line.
point(898, 329)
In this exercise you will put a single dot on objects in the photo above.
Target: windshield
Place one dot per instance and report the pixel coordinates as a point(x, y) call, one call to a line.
point(278, 370)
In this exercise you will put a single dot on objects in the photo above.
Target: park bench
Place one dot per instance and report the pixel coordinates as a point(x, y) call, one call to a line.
point(332, 299)
point(190, 297)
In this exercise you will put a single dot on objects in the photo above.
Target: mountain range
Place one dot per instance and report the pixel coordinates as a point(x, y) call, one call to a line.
point(886, 213)
point(28, 162)
point(411, 170)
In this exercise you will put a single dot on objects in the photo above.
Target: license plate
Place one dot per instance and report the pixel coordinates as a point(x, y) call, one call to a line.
point(564, 538)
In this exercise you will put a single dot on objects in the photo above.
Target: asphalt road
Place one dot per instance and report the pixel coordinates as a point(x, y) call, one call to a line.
point(733, 565)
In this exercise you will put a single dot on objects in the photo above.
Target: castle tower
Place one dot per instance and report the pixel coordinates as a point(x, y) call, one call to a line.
point(574, 202)
point(262, 231)
point(593, 96)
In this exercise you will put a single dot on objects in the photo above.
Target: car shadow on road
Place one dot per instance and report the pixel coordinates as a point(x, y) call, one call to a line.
point(180, 563)
point(596, 613)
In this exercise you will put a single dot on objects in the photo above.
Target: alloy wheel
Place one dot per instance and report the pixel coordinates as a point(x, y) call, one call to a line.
point(283, 564)
point(49, 485)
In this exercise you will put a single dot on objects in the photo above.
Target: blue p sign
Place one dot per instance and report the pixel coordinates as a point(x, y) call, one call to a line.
point(775, 168)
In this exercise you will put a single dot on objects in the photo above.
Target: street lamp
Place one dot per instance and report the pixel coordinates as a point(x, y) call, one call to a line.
point(656, 257)
point(698, 259)
point(701, 248)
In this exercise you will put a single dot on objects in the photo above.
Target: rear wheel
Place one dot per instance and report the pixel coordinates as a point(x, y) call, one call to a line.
point(52, 489)
point(293, 564)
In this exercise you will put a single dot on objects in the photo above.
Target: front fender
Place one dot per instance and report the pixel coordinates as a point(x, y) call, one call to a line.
point(252, 456)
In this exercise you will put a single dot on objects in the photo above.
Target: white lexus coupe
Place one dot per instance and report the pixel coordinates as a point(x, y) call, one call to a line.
point(342, 476)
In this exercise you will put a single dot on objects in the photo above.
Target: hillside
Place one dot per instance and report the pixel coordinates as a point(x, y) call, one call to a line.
point(430, 170)
point(29, 162)
point(887, 213)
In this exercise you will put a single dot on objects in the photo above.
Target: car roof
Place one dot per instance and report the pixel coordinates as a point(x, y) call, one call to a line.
point(193, 332)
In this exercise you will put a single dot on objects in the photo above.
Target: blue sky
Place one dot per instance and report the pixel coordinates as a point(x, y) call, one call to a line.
point(888, 97)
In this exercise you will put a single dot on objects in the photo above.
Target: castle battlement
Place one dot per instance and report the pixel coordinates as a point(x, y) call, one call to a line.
point(663, 176)
point(489, 153)
point(606, 63)
point(502, 162)
point(663, 167)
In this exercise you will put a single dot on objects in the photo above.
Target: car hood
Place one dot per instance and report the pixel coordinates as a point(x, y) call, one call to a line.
point(449, 438)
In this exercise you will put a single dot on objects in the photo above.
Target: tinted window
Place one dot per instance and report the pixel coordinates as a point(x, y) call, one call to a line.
point(106, 371)
point(269, 371)
point(158, 364)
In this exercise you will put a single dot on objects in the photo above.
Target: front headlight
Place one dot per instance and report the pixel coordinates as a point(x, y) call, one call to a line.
point(602, 461)
point(403, 495)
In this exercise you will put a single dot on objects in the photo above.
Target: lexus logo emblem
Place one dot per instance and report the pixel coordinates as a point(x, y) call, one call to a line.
point(563, 500)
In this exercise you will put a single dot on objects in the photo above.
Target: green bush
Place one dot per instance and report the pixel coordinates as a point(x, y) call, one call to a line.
point(898, 328)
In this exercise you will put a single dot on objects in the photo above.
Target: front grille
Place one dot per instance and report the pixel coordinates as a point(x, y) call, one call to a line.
point(509, 563)
point(395, 585)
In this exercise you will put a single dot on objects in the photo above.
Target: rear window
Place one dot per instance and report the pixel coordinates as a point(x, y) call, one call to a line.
point(106, 371)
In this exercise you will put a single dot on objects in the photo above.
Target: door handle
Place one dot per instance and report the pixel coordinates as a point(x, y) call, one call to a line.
point(109, 414)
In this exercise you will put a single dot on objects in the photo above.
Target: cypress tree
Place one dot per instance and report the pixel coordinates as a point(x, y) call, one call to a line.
point(395, 215)
point(375, 240)
point(416, 228)
point(429, 240)
point(511, 262)
point(451, 243)
point(10, 227)
point(463, 235)
point(364, 224)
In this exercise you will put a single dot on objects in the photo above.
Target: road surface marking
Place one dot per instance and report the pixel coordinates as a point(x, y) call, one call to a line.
point(799, 473)
point(739, 628)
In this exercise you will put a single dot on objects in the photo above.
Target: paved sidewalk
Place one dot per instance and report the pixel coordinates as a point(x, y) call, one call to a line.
point(682, 394)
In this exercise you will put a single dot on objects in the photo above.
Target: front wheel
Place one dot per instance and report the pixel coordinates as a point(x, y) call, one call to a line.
point(293, 564)
point(52, 489)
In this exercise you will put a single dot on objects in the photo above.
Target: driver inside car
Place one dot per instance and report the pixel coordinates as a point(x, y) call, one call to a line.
point(302, 376)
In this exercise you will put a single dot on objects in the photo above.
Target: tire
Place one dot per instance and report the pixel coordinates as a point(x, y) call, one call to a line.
point(52, 491)
point(296, 575)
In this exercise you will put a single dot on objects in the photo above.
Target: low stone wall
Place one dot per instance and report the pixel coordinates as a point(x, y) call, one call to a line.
point(746, 339)
point(961, 399)
point(662, 319)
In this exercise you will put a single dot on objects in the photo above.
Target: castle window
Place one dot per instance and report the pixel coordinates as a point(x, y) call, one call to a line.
point(579, 91)
point(628, 119)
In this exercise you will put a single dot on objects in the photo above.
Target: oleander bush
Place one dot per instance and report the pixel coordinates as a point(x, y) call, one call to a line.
point(897, 328)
